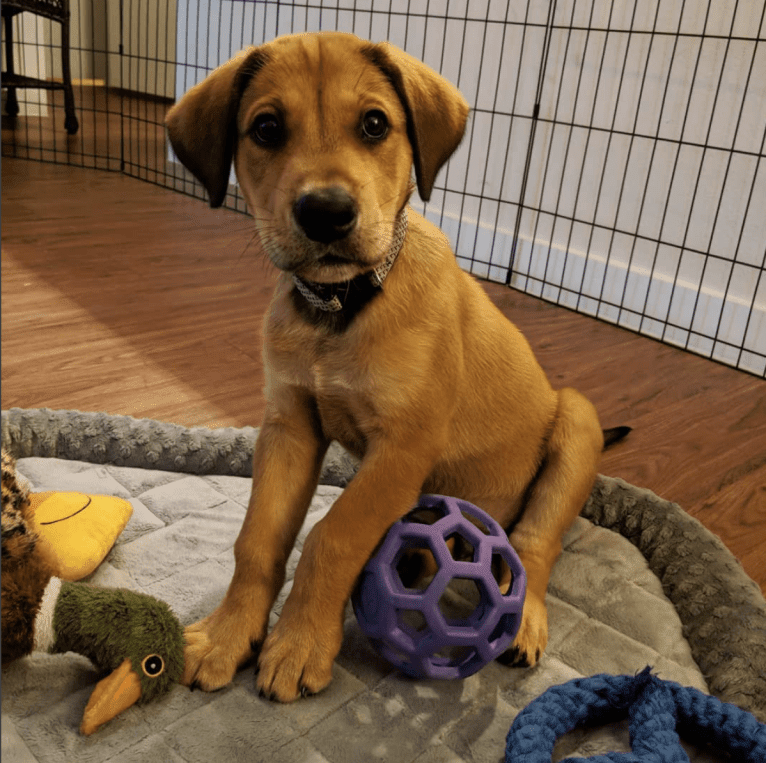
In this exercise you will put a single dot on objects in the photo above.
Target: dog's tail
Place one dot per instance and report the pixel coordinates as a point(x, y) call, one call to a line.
point(615, 435)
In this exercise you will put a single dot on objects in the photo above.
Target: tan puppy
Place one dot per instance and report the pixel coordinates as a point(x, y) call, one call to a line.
point(422, 377)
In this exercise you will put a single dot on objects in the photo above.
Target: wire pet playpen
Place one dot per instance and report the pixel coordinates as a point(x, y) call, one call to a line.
point(614, 162)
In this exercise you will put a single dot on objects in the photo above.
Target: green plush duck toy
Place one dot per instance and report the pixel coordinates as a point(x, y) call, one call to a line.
point(134, 636)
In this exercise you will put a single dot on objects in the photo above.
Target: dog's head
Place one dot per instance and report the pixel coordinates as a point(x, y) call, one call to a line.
point(323, 130)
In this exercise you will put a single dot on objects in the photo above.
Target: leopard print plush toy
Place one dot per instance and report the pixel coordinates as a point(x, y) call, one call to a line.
point(26, 565)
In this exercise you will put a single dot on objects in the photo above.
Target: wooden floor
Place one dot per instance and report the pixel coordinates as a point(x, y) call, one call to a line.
point(124, 297)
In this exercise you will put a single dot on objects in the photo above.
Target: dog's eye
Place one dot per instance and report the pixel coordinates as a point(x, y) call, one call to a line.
point(267, 130)
point(374, 125)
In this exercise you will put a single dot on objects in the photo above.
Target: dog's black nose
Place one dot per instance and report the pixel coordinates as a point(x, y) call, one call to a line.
point(326, 214)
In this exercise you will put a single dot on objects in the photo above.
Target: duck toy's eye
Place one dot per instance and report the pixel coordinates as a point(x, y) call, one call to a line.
point(153, 665)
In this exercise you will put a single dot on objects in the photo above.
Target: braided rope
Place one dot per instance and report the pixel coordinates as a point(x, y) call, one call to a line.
point(658, 711)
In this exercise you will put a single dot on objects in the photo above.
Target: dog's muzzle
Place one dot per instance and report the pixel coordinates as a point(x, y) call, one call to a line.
point(326, 297)
point(326, 214)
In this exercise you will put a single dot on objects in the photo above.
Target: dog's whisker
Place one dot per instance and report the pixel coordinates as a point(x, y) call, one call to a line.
point(253, 237)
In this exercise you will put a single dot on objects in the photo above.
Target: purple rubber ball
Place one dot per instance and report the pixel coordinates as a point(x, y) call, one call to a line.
point(455, 620)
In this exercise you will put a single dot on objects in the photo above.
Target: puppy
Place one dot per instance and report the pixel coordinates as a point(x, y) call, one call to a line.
point(375, 338)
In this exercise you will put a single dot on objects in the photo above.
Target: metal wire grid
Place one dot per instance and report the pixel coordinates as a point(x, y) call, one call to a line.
point(613, 162)
point(38, 133)
point(122, 59)
point(707, 315)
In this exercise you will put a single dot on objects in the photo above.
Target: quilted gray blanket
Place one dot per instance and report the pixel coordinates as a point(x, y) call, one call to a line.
point(639, 583)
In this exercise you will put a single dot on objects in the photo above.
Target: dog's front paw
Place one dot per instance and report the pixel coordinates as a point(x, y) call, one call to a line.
point(532, 638)
point(296, 660)
point(215, 648)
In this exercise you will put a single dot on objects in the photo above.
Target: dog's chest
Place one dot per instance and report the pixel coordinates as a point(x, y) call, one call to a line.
point(345, 406)
point(350, 387)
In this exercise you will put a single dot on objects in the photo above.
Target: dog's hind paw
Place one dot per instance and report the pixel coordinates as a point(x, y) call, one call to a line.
point(515, 658)
point(532, 638)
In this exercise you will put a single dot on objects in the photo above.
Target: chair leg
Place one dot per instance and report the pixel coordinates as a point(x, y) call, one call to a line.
point(70, 122)
point(11, 103)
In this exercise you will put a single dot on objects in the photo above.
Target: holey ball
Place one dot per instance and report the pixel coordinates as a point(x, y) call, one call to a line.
point(442, 614)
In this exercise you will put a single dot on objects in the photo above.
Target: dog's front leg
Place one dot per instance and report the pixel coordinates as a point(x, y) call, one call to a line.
point(286, 463)
point(298, 654)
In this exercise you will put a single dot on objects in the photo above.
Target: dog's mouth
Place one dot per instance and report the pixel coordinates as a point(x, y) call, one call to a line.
point(332, 269)
point(333, 265)
point(336, 260)
point(323, 263)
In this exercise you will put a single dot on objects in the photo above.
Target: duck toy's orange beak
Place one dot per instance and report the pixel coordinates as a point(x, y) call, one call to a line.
point(113, 694)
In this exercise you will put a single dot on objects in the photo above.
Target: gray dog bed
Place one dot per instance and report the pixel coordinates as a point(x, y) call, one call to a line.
point(683, 605)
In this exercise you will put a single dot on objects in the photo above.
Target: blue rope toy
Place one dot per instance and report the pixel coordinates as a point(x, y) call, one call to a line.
point(658, 711)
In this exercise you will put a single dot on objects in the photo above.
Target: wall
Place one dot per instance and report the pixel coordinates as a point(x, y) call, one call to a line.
point(147, 30)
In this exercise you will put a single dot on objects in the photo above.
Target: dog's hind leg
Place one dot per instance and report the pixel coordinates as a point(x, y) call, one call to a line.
point(561, 488)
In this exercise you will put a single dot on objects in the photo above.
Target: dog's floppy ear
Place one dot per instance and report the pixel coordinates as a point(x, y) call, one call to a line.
point(202, 125)
point(436, 111)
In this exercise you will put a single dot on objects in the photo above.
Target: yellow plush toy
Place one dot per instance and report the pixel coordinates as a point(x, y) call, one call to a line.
point(78, 528)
